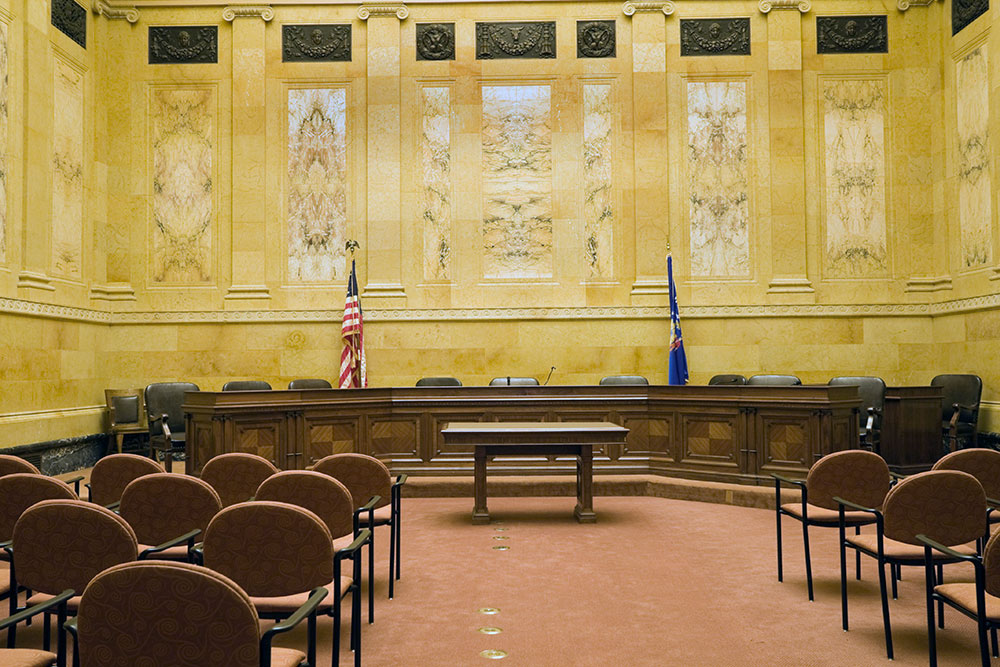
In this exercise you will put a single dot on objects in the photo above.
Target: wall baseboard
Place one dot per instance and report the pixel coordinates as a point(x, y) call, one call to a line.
point(56, 457)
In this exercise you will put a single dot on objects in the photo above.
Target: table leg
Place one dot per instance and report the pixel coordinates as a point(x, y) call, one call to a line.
point(584, 511)
point(479, 512)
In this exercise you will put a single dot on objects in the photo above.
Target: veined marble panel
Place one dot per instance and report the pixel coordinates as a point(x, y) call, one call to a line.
point(718, 171)
point(182, 136)
point(517, 182)
point(317, 184)
point(435, 155)
point(854, 131)
point(974, 206)
point(3, 142)
point(67, 171)
point(598, 192)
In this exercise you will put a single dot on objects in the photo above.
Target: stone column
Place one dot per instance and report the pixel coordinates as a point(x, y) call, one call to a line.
point(649, 115)
point(249, 233)
point(789, 272)
point(384, 234)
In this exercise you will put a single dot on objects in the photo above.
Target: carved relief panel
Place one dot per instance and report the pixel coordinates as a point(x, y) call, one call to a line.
point(315, 43)
point(524, 39)
point(715, 37)
point(964, 12)
point(852, 34)
point(172, 45)
point(595, 39)
point(71, 19)
point(435, 41)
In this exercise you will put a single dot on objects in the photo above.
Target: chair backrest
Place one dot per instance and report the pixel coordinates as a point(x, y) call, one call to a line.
point(113, 473)
point(125, 407)
point(727, 379)
point(991, 559)
point(309, 383)
point(167, 398)
point(983, 464)
point(321, 494)
point(870, 389)
point(965, 389)
point(162, 506)
point(60, 544)
point(854, 474)
point(624, 379)
point(948, 506)
point(774, 380)
point(10, 465)
point(236, 476)
point(270, 548)
point(19, 491)
point(364, 476)
point(163, 613)
point(439, 382)
point(246, 385)
point(509, 381)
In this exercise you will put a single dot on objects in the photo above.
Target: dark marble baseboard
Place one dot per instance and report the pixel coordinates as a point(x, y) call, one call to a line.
point(55, 457)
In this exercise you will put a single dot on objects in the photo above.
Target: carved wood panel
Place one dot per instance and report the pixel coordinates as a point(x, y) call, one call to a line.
point(710, 439)
point(648, 437)
point(264, 438)
point(326, 436)
point(784, 442)
point(394, 438)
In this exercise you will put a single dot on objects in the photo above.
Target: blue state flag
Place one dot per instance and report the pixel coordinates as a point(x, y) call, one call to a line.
point(677, 364)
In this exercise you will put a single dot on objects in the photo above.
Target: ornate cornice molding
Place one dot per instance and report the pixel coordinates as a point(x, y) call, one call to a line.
point(234, 12)
point(765, 6)
point(903, 5)
point(398, 10)
point(130, 14)
point(630, 8)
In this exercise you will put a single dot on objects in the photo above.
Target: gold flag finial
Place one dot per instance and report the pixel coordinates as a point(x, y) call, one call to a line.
point(352, 245)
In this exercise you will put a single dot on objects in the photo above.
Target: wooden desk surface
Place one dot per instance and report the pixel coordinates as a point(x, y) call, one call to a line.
point(530, 432)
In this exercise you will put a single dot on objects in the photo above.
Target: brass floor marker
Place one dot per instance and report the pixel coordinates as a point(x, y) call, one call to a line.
point(490, 631)
point(493, 654)
point(501, 548)
point(500, 537)
point(499, 530)
point(488, 610)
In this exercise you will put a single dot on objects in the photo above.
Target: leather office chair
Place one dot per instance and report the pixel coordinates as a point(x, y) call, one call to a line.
point(624, 380)
point(959, 409)
point(439, 382)
point(236, 476)
point(510, 381)
point(112, 474)
point(727, 379)
point(126, 414)
point(164, 401)
point(163, 613)
point(774, 380)
point(309, 383)
point(872, 393)
point(246, 385)
point(166, 531)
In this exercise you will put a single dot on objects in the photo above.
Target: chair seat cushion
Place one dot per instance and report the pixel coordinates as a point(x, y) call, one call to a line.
point(180, 552)
point(903, 551)
point(964, 595)
point(72, 604)
point(26, 657)
point(383, 516)
point(286, 604)
point(286, 657)
point(822, 515)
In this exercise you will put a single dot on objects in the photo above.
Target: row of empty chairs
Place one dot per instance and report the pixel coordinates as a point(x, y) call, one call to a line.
point(510, 381)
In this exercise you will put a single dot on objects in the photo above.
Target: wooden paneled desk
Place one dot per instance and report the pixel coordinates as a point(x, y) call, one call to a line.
point(509, 438)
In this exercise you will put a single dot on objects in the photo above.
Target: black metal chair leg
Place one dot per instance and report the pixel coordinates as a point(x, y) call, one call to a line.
point(61, 636)
point(857, 556)
point(392, 551)
point(809, 574)
point(335, 612)
point(399, 542)
point(885, 608)
point(984, 650)
point(993, 640)
point(940, 580)
point(46, 631)
point(931, 634)
point(777, 515)
point(843, 581)
point(311, 641)
point(894, 569)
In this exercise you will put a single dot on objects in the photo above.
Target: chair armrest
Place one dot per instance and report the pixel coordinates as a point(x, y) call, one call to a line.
point(993, 501)
point(363, 537)
point(75, 481)
point(198, 551)
point(307, 608)
point(896, 475)
point(70, 625)
point(186, 537)
point(367, 507)
point(400, 480)
point(113, 506)
point(795, 482)
point(951, 553)
point(855, 506)
point(37, 609)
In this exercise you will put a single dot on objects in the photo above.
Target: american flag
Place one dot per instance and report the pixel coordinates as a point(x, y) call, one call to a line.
point(353, 373)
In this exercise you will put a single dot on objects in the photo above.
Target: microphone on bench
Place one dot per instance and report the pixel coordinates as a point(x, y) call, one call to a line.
point(549, 376)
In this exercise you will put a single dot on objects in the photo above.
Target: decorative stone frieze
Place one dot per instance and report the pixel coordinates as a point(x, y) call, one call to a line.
point(183, 44)
point(316, 43)
point(522, 39)
point(852, 34)
point(715, 37)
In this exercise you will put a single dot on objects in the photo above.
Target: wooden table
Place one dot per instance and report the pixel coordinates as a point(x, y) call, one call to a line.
point(501, 438)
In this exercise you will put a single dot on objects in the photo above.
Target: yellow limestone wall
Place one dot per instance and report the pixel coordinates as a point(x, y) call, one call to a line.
point(117, 313)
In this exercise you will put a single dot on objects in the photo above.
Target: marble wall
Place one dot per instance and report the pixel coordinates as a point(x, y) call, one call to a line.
point(4, 139)
point(435, 162)
point(598, 180)
point(67, 170)
point(972, 83)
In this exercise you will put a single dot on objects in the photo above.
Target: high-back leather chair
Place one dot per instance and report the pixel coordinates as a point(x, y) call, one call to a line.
point(871, 390)
point(624, 380)
point(960, 396)
point(439, 382)
point(774, 380)
point(163, 528)
point(246, 385)
point(511, 381)
point(309, 383)
point(236, 476)
point(165, 412)
point(727, 379)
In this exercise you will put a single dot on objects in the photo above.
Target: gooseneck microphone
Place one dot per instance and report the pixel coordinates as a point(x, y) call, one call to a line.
point(549, 376)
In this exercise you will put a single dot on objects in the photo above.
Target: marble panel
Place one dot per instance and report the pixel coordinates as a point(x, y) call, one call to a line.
point(317, 184)
point(517, 181)
point(974, 207)
point(854, 132)
point(3, 141)
point(598, 186)
point(435, 156)
point(718, 178)
point(67, 171)
point(182, 201)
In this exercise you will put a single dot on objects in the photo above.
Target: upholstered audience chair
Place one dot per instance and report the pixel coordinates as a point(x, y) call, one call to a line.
point(328, 499)
point(63, 544)
point(26, 657)
point(178, 615)
point(113, 473)
point(979, 600)
point(246, 385)
point(727, 379)
point(165, 415)
point(167, 512)
point(774, 380)
point(439, 382)
point(366, 478)
point(854, 473)
point(15, 464)
point(279, 554)
point(126, 414)
point(981, 463)
point(946, 506)
point(507, 381)
point(309, 383)
point(236, 476)
point(871, 390)
point(624, 380)
point(960, 395)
